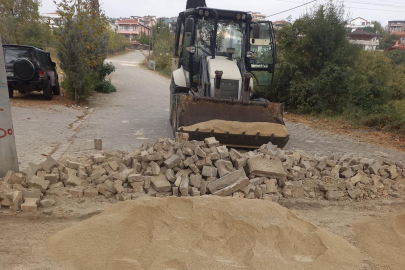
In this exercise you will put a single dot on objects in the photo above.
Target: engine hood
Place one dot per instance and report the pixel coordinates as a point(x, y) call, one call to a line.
point(229, 68)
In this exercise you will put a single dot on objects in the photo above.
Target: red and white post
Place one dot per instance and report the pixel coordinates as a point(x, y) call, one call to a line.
point(8, 151)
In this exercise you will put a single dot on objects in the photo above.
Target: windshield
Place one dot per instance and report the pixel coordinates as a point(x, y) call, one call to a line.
point(12, 55)
point(230, 34)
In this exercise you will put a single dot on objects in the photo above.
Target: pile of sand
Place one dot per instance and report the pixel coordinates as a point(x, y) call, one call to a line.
point(383, 239)
point(200, 233)
point(235, 127)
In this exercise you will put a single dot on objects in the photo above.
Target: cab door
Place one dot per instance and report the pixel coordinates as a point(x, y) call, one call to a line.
point(261, 56)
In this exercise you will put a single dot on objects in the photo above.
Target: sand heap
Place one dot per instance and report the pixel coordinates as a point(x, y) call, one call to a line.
point(200, 233)
point(383, 239)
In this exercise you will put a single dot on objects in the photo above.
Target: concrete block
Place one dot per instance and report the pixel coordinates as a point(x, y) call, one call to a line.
point(235, 186)
point(195, 192)
point(13, 178)
point(74, 181)
point(118, 186)
point(49, 164)
point(224, 167)
point(155, 168)
point(195, 180)
point(99, 158)
point(15, 199)
point(160, 183)
point(138, 186)
point(199, 152)
point(172, 162)
point(135, 178)
point(46, 203)
point(228, 180)
point(170, 175)
point(76, 192)
point(39, 183)
point(184, 185)
point(209, 171)
point(73, 165)
point(52, 178)
point(98, 144)
point(259, 165)
point(29, 205)
point(90, 193)
point(211, 142)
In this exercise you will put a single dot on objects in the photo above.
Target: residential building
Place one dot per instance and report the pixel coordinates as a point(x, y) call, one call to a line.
point(396, 26)
point(53, 19)
point(368, 40)
point(401, 36)
point(278, 24)
point(257, 16)
point(357, 23)
point(132, 28)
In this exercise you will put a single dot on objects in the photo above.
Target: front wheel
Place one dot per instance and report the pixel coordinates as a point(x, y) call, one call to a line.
point(48, 90)
point(10, 91)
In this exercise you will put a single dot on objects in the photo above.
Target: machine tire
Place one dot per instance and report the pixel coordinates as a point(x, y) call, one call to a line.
point(171, 101)
point(10, 91)
point(48, 90)
point(56, 88)
point(174, 115)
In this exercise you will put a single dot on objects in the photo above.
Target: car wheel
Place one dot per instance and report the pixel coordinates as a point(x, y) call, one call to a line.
point(56, 88)
point(10, 91)
point(48, 90)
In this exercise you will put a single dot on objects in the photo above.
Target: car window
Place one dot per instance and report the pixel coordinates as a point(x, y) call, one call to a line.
point(42, 58)
point(11, 55)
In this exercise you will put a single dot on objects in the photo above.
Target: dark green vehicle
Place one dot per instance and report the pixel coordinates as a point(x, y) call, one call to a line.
point(30, 69)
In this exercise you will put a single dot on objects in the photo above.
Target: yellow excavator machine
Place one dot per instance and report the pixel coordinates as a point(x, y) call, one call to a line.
point(217, 57)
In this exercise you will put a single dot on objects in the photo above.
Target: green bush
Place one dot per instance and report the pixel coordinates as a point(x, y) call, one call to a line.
point(105, 87)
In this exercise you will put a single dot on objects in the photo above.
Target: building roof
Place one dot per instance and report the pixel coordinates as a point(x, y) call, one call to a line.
point(358, 18)
point(398, 46)
point(361, 32)
point(400, 34)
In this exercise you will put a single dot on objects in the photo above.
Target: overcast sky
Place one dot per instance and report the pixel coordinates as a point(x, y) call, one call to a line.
point(382, 11)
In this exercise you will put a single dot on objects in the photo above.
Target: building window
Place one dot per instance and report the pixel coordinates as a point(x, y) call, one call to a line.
point(363, 23)
point(135, 27)
point(126, 28)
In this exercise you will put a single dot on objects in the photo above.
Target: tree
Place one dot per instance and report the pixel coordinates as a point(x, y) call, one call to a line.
point(315, 60)
point(20, 23)
point(143, 38)
point(82, 45)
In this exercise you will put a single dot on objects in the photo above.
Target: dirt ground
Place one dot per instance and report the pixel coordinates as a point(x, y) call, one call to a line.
point(23, 237)
point(378, 137)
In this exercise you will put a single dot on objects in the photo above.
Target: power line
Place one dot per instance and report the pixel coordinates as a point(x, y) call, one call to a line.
point(292, 8)
point(374, 4)
point(377, 9)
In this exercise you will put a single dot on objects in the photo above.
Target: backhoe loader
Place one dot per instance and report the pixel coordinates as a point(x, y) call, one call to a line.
point(218, 54)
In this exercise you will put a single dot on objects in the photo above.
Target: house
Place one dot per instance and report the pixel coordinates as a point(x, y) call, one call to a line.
point(53, 19)
point(257, 16)
point(278, 24)
point(357, 23)
point(368, 40)
point(396, 26)
point(401, 35)
point(132, 29)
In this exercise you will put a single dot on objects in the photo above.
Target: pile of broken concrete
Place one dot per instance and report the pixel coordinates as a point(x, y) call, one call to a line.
point(194, 168)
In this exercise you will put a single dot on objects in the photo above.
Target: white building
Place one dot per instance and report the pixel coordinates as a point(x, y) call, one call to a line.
point(257, 16)
point(357, 23)
point(369, 41)
point(53, 19)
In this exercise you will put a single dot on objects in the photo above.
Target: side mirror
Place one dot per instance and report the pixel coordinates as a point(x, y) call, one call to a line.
point(53, 64)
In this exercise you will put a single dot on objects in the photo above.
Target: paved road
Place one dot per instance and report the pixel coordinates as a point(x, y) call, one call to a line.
point(137, 112)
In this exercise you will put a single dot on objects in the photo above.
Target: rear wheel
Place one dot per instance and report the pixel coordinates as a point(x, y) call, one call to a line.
point(48, 90)
point(10, 91)
point(56, 88)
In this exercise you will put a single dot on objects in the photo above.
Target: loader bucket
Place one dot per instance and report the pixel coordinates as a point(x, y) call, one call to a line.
point(232, 122)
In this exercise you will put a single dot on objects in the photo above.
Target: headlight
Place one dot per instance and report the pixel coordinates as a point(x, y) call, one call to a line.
point(243, 16)
point(206, 13)
point(10, 74)
point(250, 54)
point(201, 12)
point(238, 16)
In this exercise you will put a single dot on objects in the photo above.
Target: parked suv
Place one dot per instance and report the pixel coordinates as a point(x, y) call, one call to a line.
point(30, 69)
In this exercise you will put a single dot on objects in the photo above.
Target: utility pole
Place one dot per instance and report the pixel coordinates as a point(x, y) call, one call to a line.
point(8, 151)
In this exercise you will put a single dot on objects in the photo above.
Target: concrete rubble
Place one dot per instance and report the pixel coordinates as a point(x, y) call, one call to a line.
point(193, 168)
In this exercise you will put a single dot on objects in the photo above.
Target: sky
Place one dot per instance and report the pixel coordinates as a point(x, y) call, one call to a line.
point(382, 11)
